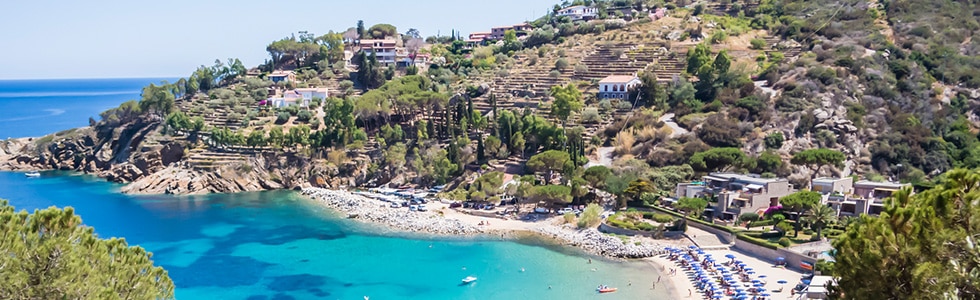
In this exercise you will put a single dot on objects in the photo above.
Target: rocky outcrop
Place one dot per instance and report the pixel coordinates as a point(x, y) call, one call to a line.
point(375, 211)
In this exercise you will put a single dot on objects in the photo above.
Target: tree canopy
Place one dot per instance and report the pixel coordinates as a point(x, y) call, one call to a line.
point(568, 99)
point(799, 202)
point(50, 254)
point(717, 159)
point(922, 246)
point(548, 161)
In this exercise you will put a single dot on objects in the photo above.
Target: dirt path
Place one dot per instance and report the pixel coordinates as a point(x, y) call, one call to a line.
point(676, 130)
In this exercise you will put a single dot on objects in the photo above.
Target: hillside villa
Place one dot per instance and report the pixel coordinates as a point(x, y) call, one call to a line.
point(617, 86)
point(301, 97)
point(497, 33)
point(736, 192)
point(579, 12)
point(282, 76)
point(385, 49)
point(866, 197)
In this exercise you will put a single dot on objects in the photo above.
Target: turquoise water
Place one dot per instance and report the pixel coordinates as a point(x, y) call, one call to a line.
point(279, 245)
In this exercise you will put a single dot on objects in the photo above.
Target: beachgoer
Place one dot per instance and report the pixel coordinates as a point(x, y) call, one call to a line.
point(590, 260)
point(689, 292)
point(522, 269)
point(658, 279)
point(630, 283)
point(549, 287)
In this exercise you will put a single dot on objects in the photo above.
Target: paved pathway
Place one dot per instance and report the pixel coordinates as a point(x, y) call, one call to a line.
point(676, 130)
point(604, 157)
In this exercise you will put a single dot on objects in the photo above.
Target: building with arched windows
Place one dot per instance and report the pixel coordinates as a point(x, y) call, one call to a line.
point(617, 86)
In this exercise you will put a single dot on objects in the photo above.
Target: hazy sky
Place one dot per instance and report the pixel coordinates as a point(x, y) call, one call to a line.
point(135, 38)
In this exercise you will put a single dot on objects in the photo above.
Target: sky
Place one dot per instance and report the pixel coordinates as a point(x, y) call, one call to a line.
point(47, 39)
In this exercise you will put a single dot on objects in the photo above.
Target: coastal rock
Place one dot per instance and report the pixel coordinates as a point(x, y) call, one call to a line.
point(376, 211)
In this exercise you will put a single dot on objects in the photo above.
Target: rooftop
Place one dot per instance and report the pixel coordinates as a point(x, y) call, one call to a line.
point(618, 79)
point(281, 73)
point(891, 185)
point(755, 179)
point(829, 179)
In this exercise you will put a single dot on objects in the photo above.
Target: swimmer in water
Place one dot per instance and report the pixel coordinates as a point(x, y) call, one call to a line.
point(522, 269)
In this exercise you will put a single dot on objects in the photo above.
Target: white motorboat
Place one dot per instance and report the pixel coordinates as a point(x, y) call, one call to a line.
point(469, 279)
point(32, 174)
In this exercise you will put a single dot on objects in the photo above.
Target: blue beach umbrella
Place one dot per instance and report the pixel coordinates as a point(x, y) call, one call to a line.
point(781, 281)
point(758, 285)
point(763, 276)
point(765, 295)
point(692, 247)
point(730, 255)
point(717, 297)
point(756, 281)
point(750, 272)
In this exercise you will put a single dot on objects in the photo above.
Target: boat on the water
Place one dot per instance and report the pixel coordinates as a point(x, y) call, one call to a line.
point(32, 174)
point(469, 279)
point(602, 289)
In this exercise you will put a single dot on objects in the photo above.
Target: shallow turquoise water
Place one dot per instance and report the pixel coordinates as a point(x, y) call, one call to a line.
point(278, 245)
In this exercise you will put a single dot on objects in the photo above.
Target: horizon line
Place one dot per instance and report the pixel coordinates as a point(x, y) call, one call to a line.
point(90, 78)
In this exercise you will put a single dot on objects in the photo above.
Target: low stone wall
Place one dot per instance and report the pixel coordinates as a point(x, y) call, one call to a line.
point(722, 235)
point(606, 228)
point(793, 259)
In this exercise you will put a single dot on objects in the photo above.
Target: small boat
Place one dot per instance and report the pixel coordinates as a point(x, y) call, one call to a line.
point(469, 279)
point(602, 289)
point(32, 174)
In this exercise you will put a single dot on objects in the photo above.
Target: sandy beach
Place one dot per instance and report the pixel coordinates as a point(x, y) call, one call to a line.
point(442, 220)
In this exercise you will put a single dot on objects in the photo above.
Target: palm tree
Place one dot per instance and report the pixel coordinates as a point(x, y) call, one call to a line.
point(820, 216)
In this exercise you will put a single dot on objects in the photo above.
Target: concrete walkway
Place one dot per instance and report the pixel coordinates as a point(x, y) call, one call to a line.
point(676, 130)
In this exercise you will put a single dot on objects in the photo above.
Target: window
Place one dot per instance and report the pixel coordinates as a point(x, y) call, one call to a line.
point(606, 88)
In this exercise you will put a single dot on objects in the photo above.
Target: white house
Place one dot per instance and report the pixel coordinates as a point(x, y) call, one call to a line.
point(617, 86)
point(386, 49)
point(300, 97)
point(579, 12)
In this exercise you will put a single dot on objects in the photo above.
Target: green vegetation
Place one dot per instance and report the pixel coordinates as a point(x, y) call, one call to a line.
point(921, 246)
point(50, 253)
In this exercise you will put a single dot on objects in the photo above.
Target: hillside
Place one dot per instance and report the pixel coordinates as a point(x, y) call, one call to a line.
point(890, 84)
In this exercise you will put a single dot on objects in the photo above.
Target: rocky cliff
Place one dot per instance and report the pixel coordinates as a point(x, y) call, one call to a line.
point(151, 163)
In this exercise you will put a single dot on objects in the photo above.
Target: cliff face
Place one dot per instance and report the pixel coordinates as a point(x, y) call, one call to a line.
point(137, 154)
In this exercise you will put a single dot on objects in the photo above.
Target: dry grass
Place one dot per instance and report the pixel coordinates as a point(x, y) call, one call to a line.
point(624, 143)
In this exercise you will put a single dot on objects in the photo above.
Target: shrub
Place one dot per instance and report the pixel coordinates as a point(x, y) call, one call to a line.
point(581, 68)
point(590, 216)
point(282, 117)
point(757, 44)
point(644, 226)
point(561, 64)
point(591, 115)
point(554, 74)
point(663, 218)
point(569, 218)
point(304, 116)
point(784, 242)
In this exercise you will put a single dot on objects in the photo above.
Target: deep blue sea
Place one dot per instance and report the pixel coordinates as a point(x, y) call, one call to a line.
point(38, 107)
point(280, 245)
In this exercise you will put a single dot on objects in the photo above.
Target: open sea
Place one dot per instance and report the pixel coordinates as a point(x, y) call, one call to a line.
point(280, 245)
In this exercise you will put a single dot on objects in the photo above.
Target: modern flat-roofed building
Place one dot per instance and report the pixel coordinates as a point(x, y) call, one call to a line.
point(386, 50)
point(737, 193)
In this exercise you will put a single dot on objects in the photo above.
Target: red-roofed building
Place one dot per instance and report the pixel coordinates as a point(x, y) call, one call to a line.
point(617, 86)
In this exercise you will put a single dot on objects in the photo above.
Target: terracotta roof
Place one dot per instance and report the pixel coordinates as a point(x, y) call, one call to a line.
point(617, 79)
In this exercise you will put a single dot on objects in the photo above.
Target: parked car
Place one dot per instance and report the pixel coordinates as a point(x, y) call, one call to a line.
point(488, 207)
point(455, 205)
point(395, 205)
point(413, 208)
point(422, 207)
point(566, 210)
point(541, 210)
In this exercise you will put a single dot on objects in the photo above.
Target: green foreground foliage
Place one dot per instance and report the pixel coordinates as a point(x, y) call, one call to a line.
point(923, 246)
point(49, 254)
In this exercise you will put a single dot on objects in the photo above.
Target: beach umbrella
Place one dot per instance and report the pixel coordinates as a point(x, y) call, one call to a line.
point(750, 272)
point(692, 247)
point(763, 276)
point(781, 281)
point(765, 295)
point(806, 281)
point(742, 264)
point(756, 281)
point(717, 297)
point(748, 269)
point(758, 285)
point(730, 255)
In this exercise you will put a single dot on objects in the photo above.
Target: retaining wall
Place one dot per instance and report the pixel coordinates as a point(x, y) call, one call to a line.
point(603, 227)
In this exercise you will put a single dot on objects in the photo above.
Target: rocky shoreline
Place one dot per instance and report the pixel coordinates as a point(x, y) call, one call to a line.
point(375, 211)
